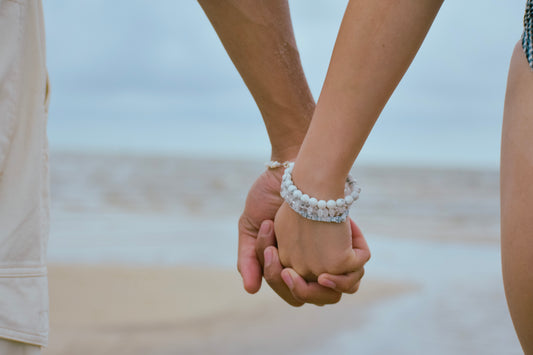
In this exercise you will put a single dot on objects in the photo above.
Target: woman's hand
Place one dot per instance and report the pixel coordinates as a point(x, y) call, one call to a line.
point(258, 255)
point(333, 254)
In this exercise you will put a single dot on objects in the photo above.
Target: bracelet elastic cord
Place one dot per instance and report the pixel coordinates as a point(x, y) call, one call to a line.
point(318, 210)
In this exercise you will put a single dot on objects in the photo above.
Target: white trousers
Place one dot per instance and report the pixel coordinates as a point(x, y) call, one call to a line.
point(24, 211)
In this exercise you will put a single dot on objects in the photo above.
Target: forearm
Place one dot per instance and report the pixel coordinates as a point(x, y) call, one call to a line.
point(259, 39)
point(376, 43)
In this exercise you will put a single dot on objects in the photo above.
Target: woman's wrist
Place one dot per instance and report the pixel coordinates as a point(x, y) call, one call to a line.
point(324, 160)
point(319, 179)
point(317, 209)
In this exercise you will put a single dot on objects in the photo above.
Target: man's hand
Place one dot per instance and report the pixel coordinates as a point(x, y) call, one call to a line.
point(262, 203)
point(256, 232)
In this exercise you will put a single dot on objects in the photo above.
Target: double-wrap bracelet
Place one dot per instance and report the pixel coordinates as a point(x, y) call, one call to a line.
point(311, 208)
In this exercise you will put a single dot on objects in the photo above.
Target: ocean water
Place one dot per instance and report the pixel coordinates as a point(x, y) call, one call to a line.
point(140, 76)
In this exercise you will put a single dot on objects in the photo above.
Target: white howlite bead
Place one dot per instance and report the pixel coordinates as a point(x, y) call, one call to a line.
point(312, 208)
point(331, 204)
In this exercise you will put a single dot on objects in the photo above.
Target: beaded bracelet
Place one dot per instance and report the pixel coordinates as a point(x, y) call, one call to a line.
point(318, 210)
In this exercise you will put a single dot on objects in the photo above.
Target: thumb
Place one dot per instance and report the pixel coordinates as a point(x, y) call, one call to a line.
point(265, 239)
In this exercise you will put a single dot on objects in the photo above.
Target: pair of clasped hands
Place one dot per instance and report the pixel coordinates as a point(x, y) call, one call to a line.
point(303, 261)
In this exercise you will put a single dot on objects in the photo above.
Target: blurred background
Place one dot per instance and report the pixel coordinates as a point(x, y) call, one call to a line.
point(155, 141)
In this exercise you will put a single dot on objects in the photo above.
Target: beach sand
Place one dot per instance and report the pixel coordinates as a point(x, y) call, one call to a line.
point(180, 310)
point(143, 248)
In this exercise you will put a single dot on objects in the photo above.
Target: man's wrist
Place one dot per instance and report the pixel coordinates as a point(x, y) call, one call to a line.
point(287, 129)
point(284, 154)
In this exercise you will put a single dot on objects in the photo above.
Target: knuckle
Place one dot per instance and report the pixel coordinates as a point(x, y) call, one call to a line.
point(295, 303)
point(367, 256)
point(259, 248)
point(301, 295)
point(354, 289)
point(336, 298)
point(241, 221)
point(244, 224)
point(271, 278)
point(342, 264)
point(284, 259)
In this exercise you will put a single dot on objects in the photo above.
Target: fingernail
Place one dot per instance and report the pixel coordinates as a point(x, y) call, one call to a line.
point(265, 228)
point(287, 278)
point(328, 283)
point(268, 257)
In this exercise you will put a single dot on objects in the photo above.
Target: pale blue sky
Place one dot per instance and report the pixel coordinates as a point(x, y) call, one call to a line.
point(152, 76)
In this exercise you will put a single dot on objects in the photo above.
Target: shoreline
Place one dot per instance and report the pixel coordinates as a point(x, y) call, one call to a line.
point(451, 205)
